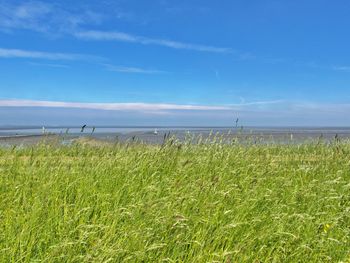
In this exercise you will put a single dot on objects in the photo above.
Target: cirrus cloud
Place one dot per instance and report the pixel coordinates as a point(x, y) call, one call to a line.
point(124, 37)
point(30, 54)
point(108, 106)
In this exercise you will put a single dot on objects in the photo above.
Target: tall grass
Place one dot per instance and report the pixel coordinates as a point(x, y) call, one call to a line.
point(209, 202)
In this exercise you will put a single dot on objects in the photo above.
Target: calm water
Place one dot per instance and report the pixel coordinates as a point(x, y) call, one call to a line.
point(16, 135)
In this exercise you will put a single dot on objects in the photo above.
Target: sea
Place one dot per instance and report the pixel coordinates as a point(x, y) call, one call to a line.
point(22, 135)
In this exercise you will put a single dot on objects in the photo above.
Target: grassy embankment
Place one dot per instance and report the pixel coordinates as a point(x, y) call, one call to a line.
point(189, 203)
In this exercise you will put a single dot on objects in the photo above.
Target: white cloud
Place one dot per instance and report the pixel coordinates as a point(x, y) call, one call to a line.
point(54, 19)
point(265, 102)
point(49, 65)
point(109, 106)
point(275, 113)
point(44, 17)
point(20, 53)
point(256, 105)
point(321, 108)
point(124, 37)
point(24, 16)
point(341, 68)
point(123, 69)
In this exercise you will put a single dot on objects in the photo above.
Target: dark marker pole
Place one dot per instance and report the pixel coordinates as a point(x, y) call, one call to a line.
point(82, 128)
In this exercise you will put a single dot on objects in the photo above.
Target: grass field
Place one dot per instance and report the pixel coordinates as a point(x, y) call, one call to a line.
point(212, 202)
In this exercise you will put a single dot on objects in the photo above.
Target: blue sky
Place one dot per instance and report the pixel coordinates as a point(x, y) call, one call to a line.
point(163, 62)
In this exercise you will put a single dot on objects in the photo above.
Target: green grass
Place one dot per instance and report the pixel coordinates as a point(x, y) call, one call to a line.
point(190, 203)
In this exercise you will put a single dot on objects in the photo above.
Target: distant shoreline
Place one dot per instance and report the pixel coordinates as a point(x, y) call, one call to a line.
point(233, 127)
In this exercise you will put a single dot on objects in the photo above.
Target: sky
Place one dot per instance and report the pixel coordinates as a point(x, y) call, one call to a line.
point(183, 62)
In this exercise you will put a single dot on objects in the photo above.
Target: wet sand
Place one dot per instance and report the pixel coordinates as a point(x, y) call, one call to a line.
point(28, 140)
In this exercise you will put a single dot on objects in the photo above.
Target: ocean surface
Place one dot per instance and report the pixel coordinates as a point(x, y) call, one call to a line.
point(156, 135)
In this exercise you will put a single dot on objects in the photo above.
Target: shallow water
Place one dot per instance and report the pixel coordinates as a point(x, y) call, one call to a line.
point(156, 135)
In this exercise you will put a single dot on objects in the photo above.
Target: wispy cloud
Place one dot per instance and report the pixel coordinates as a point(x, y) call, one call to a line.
point(141, 106)
point(341, 68)
point(54, 19)
point(123, 69)
point(109, 106)
point(49, 65)
point(20, 53)
point(29, 54)
point(44, 17)
point(250, 113)
point(320, 108)
point(24, 16)
point(124, 37)
point(264, 102)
